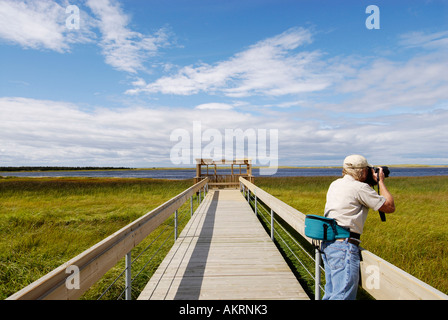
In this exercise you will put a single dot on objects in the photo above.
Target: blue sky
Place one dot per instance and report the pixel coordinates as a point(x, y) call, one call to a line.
point(112, 92)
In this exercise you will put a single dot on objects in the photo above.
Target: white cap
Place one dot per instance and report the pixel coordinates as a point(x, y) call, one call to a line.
point(356, 161)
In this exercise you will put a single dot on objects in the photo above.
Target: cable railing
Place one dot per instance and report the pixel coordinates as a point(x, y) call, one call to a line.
point(134, 261)
point(74, 278)
point(173, 228)
point(303, 262)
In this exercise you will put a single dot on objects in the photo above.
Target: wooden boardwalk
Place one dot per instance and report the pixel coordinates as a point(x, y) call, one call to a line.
point(223, 253)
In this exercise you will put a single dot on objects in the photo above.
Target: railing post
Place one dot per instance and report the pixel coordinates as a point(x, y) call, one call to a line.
point(255, 195)
point(317, 275)
point(191, 206)
point(128, 261)
point(175, 225)
point(272, 225)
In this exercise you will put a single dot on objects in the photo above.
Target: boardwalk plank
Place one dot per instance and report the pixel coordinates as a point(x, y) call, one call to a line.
point(223, 253)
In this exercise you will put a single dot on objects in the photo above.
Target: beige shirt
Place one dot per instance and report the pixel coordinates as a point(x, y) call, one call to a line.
point(348, 202)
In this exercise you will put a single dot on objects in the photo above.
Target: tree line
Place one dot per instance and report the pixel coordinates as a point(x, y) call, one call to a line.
point(46, 168)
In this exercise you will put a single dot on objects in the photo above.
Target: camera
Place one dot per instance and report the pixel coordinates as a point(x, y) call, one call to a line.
point(370, 180)
point(385, 170)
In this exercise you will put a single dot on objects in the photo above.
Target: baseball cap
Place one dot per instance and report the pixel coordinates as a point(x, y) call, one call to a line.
point(356, 161)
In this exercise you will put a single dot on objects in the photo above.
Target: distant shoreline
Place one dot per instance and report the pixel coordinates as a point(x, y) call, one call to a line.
point(391, 166)
point(45, 168)
point(59, 168)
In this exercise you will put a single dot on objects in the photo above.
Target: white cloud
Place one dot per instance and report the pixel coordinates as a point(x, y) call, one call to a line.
point(123, 48)
point(39, 25)
point(425, 40)
point(214, 106)
point(270, 67)
point(42, 25)
point(273, 68)
point(418, 83)
point(50, 132)
point(42, 132)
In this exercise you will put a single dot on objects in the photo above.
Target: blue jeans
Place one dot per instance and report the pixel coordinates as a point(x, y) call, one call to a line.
point(341, 260)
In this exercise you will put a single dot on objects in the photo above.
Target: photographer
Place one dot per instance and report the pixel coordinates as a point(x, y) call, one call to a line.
point(348, 201)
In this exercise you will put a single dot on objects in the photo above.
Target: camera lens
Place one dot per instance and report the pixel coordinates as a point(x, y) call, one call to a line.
point(386, 171)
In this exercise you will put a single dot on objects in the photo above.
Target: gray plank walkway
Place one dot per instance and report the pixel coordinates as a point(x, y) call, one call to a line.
point(223, 253)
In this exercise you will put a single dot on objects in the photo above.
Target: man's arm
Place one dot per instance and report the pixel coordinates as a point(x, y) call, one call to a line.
point(389, 205)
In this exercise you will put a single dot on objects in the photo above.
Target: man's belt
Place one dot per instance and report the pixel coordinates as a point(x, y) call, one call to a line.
point(354, 238)
point(350, 240)
point(355, 235)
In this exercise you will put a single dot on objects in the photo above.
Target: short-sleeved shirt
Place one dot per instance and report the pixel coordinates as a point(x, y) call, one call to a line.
point(348, 202)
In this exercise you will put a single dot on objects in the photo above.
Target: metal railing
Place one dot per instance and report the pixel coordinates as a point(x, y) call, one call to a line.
point(172, 229)
point(72, 279)
point(306, 265)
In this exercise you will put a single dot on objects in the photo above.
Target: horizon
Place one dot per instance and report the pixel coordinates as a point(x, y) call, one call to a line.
point(144, 84)
point(220, 167)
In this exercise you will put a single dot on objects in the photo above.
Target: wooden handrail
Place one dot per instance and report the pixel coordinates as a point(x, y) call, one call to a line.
point(381, 279)
point(94, 262)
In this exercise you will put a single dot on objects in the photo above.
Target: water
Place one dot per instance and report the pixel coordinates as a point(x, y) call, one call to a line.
point(190, 173)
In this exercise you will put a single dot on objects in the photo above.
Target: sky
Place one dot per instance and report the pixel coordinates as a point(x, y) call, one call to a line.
point(158, 83)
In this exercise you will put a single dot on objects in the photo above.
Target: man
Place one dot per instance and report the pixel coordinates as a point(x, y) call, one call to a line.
point(348, 201)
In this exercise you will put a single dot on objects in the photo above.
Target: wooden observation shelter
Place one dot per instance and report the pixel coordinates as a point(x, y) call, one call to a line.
point(219, 175)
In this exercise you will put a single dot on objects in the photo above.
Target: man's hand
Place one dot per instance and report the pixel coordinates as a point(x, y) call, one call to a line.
point(380, 174)
point(378, 177)
point(389, 205)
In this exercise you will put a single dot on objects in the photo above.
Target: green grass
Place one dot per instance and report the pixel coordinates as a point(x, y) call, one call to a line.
point(44, 222)
point(414, 237)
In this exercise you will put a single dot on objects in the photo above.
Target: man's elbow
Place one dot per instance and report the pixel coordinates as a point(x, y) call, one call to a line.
point(388, 207)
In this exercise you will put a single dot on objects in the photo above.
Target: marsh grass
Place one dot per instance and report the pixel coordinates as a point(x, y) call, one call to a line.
point(414, 237)
point(45, 222)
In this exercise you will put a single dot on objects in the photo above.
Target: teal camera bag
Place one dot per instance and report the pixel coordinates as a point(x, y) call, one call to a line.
point(322, 228)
